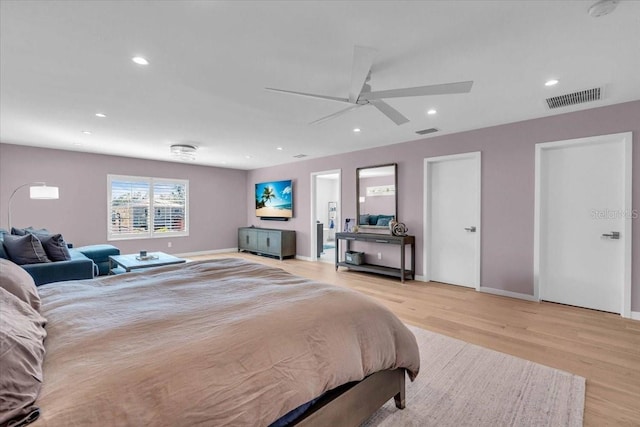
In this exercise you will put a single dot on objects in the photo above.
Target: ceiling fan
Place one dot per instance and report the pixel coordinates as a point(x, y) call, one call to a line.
point(360, 93)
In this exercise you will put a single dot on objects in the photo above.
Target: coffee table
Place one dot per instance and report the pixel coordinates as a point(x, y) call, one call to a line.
point(131, 262)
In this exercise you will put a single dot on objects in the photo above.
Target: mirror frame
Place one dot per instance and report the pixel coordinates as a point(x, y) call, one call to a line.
point(395, 182)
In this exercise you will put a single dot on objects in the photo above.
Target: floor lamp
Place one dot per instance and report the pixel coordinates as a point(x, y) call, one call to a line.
point(37, 191)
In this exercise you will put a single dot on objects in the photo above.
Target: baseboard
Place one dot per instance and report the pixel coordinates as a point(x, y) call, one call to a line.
point(210, 252)
point(303, 258)
point(493, 291)
point(635, 315)
point(510, 294)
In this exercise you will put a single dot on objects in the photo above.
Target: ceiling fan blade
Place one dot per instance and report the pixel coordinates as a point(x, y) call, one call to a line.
point(362, 61)
point(334, 115)
point(310, 95)
point(389, 111)
point(442, 89)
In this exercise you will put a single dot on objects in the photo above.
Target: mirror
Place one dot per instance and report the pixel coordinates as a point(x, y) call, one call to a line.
point(376, 196)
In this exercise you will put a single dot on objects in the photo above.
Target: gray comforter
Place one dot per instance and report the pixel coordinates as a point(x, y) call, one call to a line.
point(222, 342)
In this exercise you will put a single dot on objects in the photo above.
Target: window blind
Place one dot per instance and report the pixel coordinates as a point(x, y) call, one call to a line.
point(135, 203)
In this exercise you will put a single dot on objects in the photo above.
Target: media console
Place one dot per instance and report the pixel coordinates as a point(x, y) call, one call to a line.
point(267, 241)
point(401, 241)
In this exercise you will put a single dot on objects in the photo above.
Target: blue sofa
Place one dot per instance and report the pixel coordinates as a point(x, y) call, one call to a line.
point(86, 262)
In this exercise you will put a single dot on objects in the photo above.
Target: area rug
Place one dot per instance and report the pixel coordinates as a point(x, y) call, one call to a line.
point(461, 384)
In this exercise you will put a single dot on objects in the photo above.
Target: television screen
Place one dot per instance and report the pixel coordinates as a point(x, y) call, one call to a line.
point(274, 199)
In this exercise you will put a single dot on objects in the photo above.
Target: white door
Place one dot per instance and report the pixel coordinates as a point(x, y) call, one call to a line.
point(583, 223)
point(452, 218)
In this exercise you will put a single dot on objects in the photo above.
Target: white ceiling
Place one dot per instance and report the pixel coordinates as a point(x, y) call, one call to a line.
point(64, 61)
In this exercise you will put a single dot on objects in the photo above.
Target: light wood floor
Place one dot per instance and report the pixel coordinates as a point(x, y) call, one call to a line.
point(602, 347)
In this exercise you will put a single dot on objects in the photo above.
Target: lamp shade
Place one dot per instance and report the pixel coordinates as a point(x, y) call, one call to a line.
point(43, 192)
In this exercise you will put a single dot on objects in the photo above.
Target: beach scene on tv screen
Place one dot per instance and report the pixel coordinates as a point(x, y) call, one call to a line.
point(274, 199)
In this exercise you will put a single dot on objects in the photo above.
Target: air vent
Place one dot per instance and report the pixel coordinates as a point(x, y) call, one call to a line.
point(574, 98)
point(426, 131)
point(299, 156)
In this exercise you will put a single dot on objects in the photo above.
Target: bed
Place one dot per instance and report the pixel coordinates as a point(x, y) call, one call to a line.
point(221, 342)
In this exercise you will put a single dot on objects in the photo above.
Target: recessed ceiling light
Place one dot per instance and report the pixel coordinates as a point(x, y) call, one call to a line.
point(356, 130)
point(247, 157)
point(551, 82)
point(431, 112)
point(86, 132)
point(77, 144)
point(140, 60)
point(101, 115)
point(279, 148)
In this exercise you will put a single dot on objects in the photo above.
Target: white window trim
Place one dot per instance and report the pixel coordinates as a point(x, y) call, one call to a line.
point(150, 234)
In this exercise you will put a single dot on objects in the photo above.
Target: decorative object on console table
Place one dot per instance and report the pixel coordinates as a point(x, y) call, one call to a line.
point(399, 229)
point(402, 241)
point(349, 224)
point(267, 241)
point(37, 191)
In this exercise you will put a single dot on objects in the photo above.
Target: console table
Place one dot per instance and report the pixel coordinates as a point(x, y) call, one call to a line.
point(384, 239)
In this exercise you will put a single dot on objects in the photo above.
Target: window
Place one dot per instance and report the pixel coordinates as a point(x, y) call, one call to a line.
point(137, 202)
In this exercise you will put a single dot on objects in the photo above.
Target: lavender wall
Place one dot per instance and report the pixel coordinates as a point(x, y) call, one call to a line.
point(508, 159)
point(220, 198)
point(217, 196)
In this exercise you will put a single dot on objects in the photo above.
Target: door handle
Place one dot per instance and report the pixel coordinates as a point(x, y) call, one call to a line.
point(471, 229)
point(615, 235)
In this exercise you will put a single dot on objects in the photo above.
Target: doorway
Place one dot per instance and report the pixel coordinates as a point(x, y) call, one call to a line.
point(452, 219)
point(325, 214)
point(583, 216)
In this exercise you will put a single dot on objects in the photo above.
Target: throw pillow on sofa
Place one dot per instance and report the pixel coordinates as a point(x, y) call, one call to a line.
point(27, 230)
point(25, 249)
point(54, 246)
point(3, 253)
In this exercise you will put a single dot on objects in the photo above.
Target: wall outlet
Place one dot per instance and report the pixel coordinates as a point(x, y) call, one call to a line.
point(169, 244)
point(379, 255)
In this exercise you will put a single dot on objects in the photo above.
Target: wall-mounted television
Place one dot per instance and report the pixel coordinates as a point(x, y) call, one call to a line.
point(274, 200)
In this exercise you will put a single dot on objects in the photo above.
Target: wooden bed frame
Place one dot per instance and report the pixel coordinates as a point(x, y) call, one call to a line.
point(352, 404)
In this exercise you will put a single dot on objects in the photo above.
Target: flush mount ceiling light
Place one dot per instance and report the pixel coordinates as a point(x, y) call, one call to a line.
point(140, 60)
point(356, 130)
point(551, 82)
point(602, 8)
point(431, 112)
point(279, 148)
point(86, 132)
point(101, 115)
point(184, 151)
